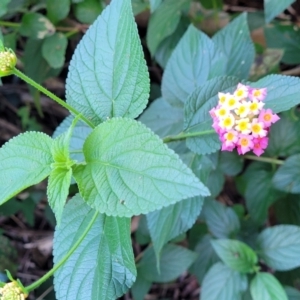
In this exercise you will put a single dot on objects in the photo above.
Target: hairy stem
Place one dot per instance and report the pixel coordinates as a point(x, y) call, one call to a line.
point(183, 136)
point(265, 159)
point(52, 96)
point(37, 283)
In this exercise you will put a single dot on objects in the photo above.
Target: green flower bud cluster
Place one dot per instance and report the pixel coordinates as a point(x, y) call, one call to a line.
point(8, 60)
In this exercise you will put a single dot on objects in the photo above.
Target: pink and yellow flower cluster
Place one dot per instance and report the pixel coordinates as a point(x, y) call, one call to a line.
point(240, 120)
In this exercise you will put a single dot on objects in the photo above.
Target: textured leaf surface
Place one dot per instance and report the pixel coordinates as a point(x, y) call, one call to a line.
point(164, 21)
point(130, 171)
point(108, 75)
point(287, 177)
point(171, 221)
point(174, 261)
point(190, 65)
point(274, 8)
point(236, 255)
point(283, 91)
point(24, 161)
point(197, 117)
point(235, 42)
point(102, 267)
point(222, 221)
point(279, 247)
point(222, 283)
point(58, 190)
point(54, 50)
point(265, 286)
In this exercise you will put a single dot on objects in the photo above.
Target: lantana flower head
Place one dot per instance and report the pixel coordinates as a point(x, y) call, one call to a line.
point(241, 121)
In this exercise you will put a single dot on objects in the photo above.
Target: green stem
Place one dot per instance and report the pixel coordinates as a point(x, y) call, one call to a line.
point(37, 283)
point(70, 33)
point(265, 159)
point(182, 135)
point(9, 24)
point(51, 95)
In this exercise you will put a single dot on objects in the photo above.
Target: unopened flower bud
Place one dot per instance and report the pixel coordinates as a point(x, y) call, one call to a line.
point(8, 60)
point(12, 291)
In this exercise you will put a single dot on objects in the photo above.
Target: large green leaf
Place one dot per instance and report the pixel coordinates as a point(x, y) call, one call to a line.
point(275, 7)
point(130, 171)
point(3, 7)
point(174, 261)
point(236, 255)
point(279, 97)
point(222, 283)
point(197, 117)
point(192, 62)
point(140, 288)
point(205, 259)
point(154, 4)
point(279, 247)
point(172, 221)
point(102, 267)
point(265, 286)
point(163, 118)
point(108, 75)
point(24, 161)
point(292, 293)
point(234, 40)
point(287, 177)
point(222, 221)
point(231, 163)
point(159, 28)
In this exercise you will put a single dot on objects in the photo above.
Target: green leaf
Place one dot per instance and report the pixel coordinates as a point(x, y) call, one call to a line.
point(235, 42)
point(205, 259)
point(163, 118)
point(190, 65)
point(259, 192)
point(265, 286)
point(87, 11)
point(279, 98)
point(79, 135)
point(287, 177)
point(292, 293)
point(35, 66)
point(285, 37)
point(274, 8)
point(279, 247)
point(54, 50)
point(222, 221)
point(102, 267)
point(136, 171)
point(231, 163)
point(154, 4)
point(197, 117)
point(58, 190)
point(57, 10)
point(36, 26)
point(158, 27)
point(108, 75)
point(172, 221)
point(222, 283)
point(236, 255)
point(208, 4)
point(24, 161)
point(174, 261)
point(3, 7)
point(8, 255)
point(284, 137)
